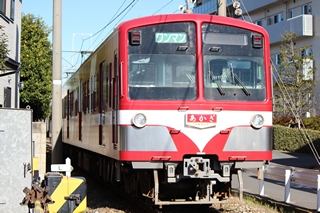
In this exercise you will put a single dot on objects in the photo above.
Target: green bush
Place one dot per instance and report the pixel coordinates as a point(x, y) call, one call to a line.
point(282, 120)
point(293, 139)
point(312, 123)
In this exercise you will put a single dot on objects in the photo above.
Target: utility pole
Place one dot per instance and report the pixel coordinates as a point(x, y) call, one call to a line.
point(222, 7)
point(187, 10)
point(56, 138)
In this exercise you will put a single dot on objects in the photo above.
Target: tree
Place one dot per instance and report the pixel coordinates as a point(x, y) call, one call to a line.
point(36, 66)
point(3, 49)
point(295, 80)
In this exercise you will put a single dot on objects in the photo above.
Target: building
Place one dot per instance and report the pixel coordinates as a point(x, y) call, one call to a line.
point(10, 19)
point(277, 17)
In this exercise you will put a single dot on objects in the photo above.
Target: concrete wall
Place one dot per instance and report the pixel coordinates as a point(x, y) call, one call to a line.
point(40, 145)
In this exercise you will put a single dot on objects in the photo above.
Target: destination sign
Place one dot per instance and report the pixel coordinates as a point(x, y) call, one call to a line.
point(225, 38)
point(172, 37)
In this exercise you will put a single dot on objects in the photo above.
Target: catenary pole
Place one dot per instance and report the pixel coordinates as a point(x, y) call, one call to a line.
point(56, 138)
point(222, 7)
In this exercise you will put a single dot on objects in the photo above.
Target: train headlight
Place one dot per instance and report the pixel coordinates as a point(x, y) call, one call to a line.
point(257, 121)
point(139, 120)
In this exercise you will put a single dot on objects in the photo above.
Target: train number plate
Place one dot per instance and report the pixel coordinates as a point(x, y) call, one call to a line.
point(201, 120)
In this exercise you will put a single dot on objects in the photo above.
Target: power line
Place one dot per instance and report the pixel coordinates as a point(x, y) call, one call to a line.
point(115, 16)
point(112, 20)
point(162, 7)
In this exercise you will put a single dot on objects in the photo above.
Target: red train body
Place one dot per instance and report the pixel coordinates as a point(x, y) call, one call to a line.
point(182, 101)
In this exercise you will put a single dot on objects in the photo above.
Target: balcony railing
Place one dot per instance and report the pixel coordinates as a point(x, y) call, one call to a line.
point(301, 25)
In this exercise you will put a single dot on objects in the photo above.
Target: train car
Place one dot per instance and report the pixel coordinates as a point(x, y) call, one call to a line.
point(172, 106)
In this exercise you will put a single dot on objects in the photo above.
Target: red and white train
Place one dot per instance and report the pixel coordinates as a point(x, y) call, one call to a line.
point(172, 106)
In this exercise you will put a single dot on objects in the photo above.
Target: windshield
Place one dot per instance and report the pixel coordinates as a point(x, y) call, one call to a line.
point(161, 77)
point(234, 78)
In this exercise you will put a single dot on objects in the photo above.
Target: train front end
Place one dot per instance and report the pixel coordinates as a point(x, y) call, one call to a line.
point(195, 104)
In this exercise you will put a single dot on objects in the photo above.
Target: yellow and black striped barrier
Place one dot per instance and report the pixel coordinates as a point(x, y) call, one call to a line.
point(68, 193)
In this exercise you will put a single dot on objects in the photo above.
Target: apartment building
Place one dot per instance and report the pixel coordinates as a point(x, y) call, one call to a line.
point(277, 17)
point(10, 19)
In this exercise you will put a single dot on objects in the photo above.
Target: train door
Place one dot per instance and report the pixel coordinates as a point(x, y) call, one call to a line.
point(115, 82)
point(101, 106)
point(68, 113)
point(80, 111)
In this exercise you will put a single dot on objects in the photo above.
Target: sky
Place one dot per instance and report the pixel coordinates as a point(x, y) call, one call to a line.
point(85, 23)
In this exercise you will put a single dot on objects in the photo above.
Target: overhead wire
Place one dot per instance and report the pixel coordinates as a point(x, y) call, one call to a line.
point(101, 30)
point(111, 19)
point(130, 10)
point(119, 21)
point(289, 102)
point(132, 4)
point(162, 7)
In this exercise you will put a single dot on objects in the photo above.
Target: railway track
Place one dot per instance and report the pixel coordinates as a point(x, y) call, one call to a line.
point(105, 197)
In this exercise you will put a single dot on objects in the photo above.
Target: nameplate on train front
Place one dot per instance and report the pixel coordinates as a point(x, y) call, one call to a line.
point(201, 120)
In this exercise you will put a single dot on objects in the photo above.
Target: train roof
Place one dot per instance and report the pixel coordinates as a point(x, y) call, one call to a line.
point(173, 18)
point(156, 19)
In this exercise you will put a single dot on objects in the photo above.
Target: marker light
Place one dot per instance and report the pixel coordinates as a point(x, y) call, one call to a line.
point(257, 121)
point(135, 38)
point(139, 120)
point(257, 41)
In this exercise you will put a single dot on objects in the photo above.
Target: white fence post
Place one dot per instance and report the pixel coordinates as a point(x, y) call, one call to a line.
point(318, 194)
point(68, 171)
point(287, 186)
point(261, 181)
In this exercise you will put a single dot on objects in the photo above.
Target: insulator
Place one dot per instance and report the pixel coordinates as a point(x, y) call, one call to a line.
point(238, 12)
point(236, 4)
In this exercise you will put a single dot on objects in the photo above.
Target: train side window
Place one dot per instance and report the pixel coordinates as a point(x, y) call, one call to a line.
point(80, 95)
point(110, 83)
point(71, 104)
point(64, 105)
point(94, 92)
point(76, 102)
point(106, 83)
point(88, 97)
point(90, 94)
point(85, 97)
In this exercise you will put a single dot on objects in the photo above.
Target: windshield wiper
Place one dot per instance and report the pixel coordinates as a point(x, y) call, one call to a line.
point(235, 76)
point(211, 77)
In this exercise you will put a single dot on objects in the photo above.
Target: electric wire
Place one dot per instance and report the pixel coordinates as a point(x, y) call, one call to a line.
point(132, 4)
point(162, 7)
point(111, 19)
point(124, 15)
point(101, 30)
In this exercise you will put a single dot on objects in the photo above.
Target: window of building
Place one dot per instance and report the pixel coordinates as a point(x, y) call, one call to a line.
point(277, 59)
point(269, 21)
point(274, 19)
point(3, 7)
point(259, 22)
point(12, 9)
point(291, 14)
point(277, 18)
point(307, 69)
point(7, 97)
point(307, 52)
point(306, 9)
